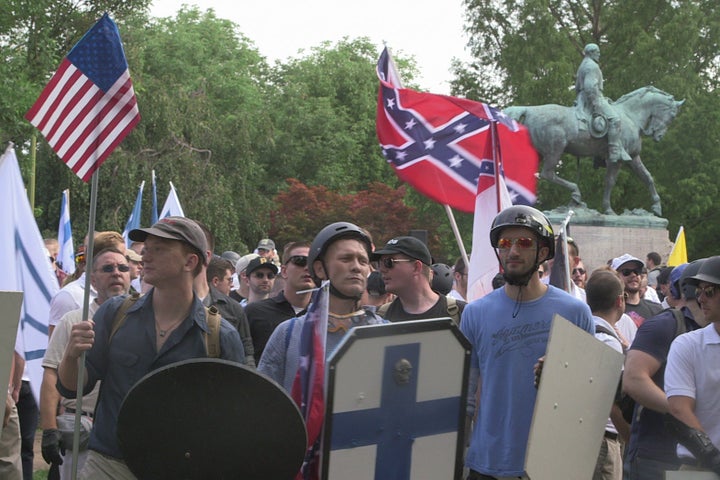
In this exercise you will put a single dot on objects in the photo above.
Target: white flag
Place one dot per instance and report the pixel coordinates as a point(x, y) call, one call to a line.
point(483, 262)
point(172, 206)
point(26, 268)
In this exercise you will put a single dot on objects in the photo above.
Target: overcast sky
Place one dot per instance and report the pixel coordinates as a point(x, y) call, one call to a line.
point(429, 30)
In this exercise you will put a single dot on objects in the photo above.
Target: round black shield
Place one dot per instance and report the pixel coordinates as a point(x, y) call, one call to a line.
point(210, 419)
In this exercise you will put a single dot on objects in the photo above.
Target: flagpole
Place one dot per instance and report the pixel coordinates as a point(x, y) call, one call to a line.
point(563, 231)
point(85, 315)
point(496, 162)
point(455, 230)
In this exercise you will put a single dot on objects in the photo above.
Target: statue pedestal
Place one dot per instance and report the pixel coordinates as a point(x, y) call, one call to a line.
point(603, 237)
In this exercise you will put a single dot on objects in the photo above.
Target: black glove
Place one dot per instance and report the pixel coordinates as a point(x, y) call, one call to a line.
point(52, 446)
point(696, 441)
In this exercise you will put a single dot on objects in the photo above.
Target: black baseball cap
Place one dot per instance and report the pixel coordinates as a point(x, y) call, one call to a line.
point(260, 262)
point(409, 246)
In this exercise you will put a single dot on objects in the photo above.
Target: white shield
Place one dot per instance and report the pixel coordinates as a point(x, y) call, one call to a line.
point(578, 384)
point(396, 402)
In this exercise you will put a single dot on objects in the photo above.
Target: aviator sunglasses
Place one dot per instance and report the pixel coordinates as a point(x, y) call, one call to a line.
point(627, 271)
point(709, 292)
point(111, 268)
point(522, 242)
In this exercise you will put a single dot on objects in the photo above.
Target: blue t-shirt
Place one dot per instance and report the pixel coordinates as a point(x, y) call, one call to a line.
point(132, 354)
point(504, 352)
point(648, 437)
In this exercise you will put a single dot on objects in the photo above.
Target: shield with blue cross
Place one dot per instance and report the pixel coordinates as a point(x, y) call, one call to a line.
point(396, 396)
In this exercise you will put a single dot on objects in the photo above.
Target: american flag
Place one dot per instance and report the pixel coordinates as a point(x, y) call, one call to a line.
point(438, 143)
point(308, 390)
point(89, 105)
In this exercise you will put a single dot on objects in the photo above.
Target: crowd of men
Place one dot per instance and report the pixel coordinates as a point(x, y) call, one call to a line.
point(150, 306)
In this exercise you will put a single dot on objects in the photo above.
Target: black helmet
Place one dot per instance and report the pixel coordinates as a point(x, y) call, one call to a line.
point(692, 268)
point(708, 272)
point(527, 217)
point(442, 280)
point(331, 233)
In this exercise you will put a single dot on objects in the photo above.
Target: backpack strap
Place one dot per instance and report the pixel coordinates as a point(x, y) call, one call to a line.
point(288, 332)
point(680, 326)
point(121, 313)
point(453, 310)
point(382, 310)
point(212, 337)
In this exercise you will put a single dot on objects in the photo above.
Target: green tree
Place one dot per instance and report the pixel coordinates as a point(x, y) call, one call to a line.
point(527, 53)
point(323, 107)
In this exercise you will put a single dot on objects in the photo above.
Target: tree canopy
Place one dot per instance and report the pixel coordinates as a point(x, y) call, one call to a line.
point(527, 53)
point(230, 130)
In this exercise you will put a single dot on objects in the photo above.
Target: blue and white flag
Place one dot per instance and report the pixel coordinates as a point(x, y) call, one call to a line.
point(154, 212)
point(26, 267)
point(66, 254)
point(172, 206)
point(134, 220)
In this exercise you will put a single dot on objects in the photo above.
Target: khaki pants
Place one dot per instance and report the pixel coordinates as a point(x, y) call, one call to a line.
point(609, 465)
point(10, 463)
point(101, 467)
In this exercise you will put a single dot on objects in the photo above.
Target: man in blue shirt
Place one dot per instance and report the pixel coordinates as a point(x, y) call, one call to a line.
point(165, 326)
point(509, 330)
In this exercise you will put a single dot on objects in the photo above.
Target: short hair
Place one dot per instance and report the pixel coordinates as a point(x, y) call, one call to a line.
point(602, 289)
point(107, 250)
point(663, 277)
point(459, 265)
point(290, 246)
point(209, 237)
point(108, 239)
point(217, 267)
point(572, 242)
point(655, 257)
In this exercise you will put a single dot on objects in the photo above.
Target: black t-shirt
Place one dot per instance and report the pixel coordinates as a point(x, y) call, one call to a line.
point(264, 317)
point(396, 313)
point(648, 437)
point(642, 311)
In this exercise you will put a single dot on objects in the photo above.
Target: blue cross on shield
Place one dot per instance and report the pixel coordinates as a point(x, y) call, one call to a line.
point(398, 410)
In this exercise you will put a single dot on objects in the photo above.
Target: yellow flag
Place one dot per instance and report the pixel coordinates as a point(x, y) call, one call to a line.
point(678, 255)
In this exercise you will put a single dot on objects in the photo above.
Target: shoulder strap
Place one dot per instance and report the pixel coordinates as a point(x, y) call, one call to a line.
point(212, 338)
point(382, 310)
point(288, 332)
point(680, 326)
point(122, 313)
point(453, 310)
point(602, 329)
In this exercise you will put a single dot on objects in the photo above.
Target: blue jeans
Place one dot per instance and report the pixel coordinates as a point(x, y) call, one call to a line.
point(647, 469)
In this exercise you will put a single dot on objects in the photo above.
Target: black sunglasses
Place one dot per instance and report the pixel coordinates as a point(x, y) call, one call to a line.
point(627, 271)
point(111, 268)
point(581, 271)
point(299, 260)
point(390, 262)
point(269, 275)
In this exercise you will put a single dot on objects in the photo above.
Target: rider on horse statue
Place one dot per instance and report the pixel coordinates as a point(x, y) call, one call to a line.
point(592, 102)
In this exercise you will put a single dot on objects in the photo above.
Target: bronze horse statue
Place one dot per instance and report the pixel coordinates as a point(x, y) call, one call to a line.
point(555, 129)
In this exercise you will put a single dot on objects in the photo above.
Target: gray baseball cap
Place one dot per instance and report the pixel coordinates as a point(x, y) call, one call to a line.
point(175, 228)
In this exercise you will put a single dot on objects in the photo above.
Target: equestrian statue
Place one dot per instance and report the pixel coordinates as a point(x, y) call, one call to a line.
point(599, 128)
